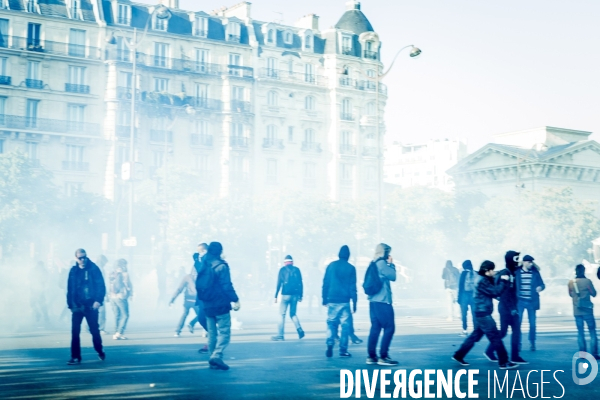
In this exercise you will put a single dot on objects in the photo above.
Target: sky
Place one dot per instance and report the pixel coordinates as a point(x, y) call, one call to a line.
point(487, 67)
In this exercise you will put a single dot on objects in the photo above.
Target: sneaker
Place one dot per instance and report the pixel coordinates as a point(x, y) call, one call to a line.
point(463, 334)
point(386, 361)
point(329, 351)
point(356, 340)
point(371, 361)
point(461, 361)
point(218, 364)
point(300, 333)
point(176, 335)
point(277, 338)
point(74, 361)
point(102, 356)
point(116, 336)
point(345, 354)
point(204, 349)
point(191, 328)
point(509, 365)
point(519, 360)
point(103, 332)
point(490, 357)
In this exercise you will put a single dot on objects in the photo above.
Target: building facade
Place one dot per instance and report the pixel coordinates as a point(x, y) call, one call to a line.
point(251, 106)
point(423, 164)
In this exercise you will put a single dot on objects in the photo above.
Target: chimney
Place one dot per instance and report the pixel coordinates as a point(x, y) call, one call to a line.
point(353, 5)
point(240, 10)
point(310, 21)
point(174, 4)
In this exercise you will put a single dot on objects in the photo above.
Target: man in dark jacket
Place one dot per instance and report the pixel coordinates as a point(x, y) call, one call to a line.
point(486, 290)
point(85, 295)
point(201, 316)
point(289, 281)
point(339, 287)
point(466, 288)
point(529, 286)
point(218, 307)
point(508, 309)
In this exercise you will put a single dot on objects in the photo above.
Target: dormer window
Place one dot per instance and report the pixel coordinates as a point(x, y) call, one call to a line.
point(123, 14)
point(201, 27)
point(271, 36)
point(32, 6)
point(308, 42)
point(233, 32)
point(347, 45)
point(160, 24)
point(4, 5)
point(370, 51)
point(75, 9)
point(288, 37)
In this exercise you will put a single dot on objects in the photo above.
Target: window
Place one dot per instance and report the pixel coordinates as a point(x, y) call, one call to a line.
point(74, 153)
point(370, 109)
point(75, 116)
point(32, 6)
point(233, 32)
point(202, 60)
point(160, 24)
point(161, 54)
point(3, 64)
point(124, 79)
point(75, 9)
point(2, 111)
point(346, 138)
point(271, 36)
point(201, 26)
point(271, 133)
point(123, 14)
point(122, 49)
point(3, 32)
point(76, 75)
point(161, 85)
point(272, 99)
point(272, 170)
point(370, 51)
point(31, 113)
point(290, 133)
point(346, 45)
point(272, 67)
point(346, 109)
point(201, 92)
point(235, 60)
point(371, 73)
point(309, 103)
point(308, 42)
point(288, 37)
point(34, 36)
point(237, 93)
point(201, 127)
point(31, 150)
point(77, 43)
point(309, 136)
point(237, 129)
point(309, 73)
point(290, 66)
point(33, 70)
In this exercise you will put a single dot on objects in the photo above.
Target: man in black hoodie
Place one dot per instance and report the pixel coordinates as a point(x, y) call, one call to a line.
point(339, 287)
point(85, 295)
point(508, 309)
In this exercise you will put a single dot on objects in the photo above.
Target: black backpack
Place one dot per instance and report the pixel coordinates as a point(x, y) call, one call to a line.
point(292, 282)
point(205, 282)
point(372, 284)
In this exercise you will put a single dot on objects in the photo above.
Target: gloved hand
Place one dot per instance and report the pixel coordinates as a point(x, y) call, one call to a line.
point(236, 306)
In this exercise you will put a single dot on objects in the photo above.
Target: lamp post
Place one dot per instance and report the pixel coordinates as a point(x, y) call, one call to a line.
point(414, 52)
point(160, 12)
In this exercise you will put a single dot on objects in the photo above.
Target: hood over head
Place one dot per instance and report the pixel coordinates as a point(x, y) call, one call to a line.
point(382, 250)
point(467, 265)
point(215, 249)
point(344, 253)
point(509, 260)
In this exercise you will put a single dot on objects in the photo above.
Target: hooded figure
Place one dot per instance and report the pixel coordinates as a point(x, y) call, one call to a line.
point(466, 291)
point(382, 251)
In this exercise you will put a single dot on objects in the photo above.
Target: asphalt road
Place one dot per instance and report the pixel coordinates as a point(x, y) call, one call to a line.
point(154, 364)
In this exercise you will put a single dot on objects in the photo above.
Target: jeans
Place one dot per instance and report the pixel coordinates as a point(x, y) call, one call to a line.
point(121, 310)
point(508, 318)
point(200, 316)
point(291, 301)
point(528, 305)
point(219, 334)
point(467, 301)
point(187, 305)
point(338, 313)
point(91, 316)
point(382, 317)
point(484, 326)
point(451, 301)
point(591, 324)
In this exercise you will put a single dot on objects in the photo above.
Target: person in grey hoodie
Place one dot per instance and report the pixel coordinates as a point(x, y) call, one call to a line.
point(380, 308)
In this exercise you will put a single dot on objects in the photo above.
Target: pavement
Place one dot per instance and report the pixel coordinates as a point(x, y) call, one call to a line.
point(154, 364)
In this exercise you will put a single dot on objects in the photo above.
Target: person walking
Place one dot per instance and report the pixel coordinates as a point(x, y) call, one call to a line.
point(200, 315)
point(451, 275)
point(509, 310)
point(85, 295)
point(101, 263)
point(119, 293)
point(381, 311)
point(529, 286)
point(188, 286)
point(580, 290)
point(466, 288)
point(289, 282)
point(216, 291)
point(339, 287)
point(486, 290)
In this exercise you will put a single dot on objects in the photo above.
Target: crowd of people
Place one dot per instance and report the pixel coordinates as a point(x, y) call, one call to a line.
point(209, 292)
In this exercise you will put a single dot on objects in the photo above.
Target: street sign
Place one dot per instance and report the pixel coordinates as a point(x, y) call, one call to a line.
point(130, 242)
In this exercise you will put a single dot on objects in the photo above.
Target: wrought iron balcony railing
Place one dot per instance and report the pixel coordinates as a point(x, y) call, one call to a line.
point(344, 116)
point(311, 147)
point(238, 142)
point(34, 83)
point(270, 143)
point(48, 125)
point(241, 106)
point(371, 55)
point(293, 77)
point(238, 70)
point(202, 140)
point(5, 80)
point(50, 47)
point(76, 88)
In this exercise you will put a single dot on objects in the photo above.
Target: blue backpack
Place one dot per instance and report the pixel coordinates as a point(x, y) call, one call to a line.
point(205, 282)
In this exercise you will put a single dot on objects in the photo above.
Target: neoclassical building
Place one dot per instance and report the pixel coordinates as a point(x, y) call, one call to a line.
point(531, 160)
point(251, 106)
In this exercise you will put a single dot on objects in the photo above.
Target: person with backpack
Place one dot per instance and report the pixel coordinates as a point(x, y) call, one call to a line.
point(450, 275)
point(580, 290)
point(201, 316)
point(381, 312)
point(339, 287)
point(509, 310)
point(486, 290)
point(466, 288)
point(289, 282)
point(120, 290)
point(529, 286)
point(216, 291)
point(188, 283)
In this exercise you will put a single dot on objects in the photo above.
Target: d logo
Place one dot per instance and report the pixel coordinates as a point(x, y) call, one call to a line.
point(580, 368)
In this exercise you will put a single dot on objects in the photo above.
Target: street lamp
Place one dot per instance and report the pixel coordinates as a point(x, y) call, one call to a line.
point(414, 52)
point(160, 12)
